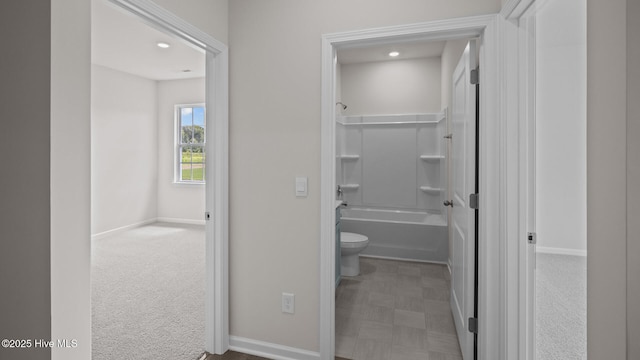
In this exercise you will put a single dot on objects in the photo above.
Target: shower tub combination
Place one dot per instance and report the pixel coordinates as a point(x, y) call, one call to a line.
point(397, 234)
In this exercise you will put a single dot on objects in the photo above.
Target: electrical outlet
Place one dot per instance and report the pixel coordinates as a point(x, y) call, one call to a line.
point(288, 303)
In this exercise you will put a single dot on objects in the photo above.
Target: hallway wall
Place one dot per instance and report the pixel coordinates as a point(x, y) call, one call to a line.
point(275, 136)
point(25, 91)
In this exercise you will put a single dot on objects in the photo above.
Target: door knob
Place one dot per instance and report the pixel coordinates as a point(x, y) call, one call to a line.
point(448, 203)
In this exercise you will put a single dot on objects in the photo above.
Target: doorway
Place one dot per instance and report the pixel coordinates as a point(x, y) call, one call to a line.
point(455, 29)
point(216, 188)
point(391, 171)
point(554, 34)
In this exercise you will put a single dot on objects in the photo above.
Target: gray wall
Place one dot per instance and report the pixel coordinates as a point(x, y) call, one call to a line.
point(633, 179)
point(606, 179)
point(275, 82)
point(25, 309)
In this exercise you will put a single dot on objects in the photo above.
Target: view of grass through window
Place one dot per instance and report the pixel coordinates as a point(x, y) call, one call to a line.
point(192, 141)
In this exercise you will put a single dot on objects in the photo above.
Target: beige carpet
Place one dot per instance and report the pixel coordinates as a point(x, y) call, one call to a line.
point(148, 294)
point(561, 307)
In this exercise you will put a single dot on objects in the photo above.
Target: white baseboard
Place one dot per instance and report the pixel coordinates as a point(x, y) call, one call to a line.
point(119, 230)
point(181, 221)
point(560, 251)
point(402, 259)
point(269, 350)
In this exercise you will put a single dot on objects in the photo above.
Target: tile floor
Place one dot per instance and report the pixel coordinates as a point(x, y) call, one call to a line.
point(395, 310)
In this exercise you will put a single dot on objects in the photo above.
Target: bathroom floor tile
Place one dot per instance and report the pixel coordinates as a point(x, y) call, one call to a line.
point(410, 291)
point(412, 270)
point(410, 338)
point(444, 343)
point(409, 280)
point(435, 283)
point(434, 355)
point(380, 314)
point(442, 323)
point(410, 303)
point(376, 331)
point(347, 326)
point(395, 310)
point(380, 286)
point(367, 349)
point(437, 307)
point(345, 346)
point(411, 319)
point(381, 299)
point(436, 293)
point(402, 353)
point(352, 297)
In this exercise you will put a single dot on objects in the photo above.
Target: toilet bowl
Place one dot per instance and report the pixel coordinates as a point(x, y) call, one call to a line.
point(351, 244)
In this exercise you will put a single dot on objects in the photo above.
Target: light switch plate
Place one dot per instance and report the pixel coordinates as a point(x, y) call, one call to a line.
point(301, 186)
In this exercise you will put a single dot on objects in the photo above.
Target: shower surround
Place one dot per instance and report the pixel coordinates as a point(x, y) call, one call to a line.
point(392, 172)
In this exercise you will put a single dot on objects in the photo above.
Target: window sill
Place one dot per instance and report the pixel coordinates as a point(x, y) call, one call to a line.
point(190, 183)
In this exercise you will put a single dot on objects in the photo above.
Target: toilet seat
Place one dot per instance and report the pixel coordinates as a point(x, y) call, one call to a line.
point(352, 240)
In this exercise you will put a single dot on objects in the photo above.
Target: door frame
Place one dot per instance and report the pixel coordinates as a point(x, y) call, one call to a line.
point(493, 336)
point(217, 185)
point(520, 64)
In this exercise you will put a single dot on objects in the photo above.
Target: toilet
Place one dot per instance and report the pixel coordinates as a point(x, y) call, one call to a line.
point(351, 244)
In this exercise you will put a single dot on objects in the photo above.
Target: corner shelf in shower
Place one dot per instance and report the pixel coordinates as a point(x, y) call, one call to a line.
point(430, 190)
point(349, 186)
point(431, 158)
point(348, 157)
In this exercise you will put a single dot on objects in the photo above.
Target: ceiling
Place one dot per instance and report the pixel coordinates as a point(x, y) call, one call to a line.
point(407, 50)
point(122, 42)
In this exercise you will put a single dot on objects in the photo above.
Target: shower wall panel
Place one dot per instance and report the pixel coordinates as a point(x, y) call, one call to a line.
point(389, 166)
point(392, 161)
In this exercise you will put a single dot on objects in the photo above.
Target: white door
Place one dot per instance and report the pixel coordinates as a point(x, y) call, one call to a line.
point(463, 219)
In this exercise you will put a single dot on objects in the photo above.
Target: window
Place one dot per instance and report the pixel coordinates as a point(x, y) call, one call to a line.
point(190, 144)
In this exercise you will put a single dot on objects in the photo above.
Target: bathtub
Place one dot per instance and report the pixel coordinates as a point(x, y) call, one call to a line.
point(393, 234)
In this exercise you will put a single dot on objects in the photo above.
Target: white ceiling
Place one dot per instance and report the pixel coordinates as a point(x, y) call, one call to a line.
point(407, 50)
point(122, 42)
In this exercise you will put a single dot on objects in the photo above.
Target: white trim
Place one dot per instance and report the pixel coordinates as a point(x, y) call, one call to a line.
point(217, 201)
point(180, 221)
point(492, 177)
point(270, 350)
point(560, 251)
point(527, 139)
point(177, 143)
point(119, 230)
point(406, 260)
point(514, 9)
point(167, 22)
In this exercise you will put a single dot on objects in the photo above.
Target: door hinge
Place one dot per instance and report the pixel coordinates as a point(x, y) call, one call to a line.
point(473, 325)
point(531, 238)
point(207, 216)
point(473, 201)
point(475, 76)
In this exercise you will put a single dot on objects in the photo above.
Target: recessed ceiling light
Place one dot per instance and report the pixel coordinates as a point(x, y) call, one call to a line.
point(394, 53)
point(163, 45)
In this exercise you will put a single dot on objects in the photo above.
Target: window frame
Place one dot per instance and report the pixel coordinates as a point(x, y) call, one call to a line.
point(177, 144)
